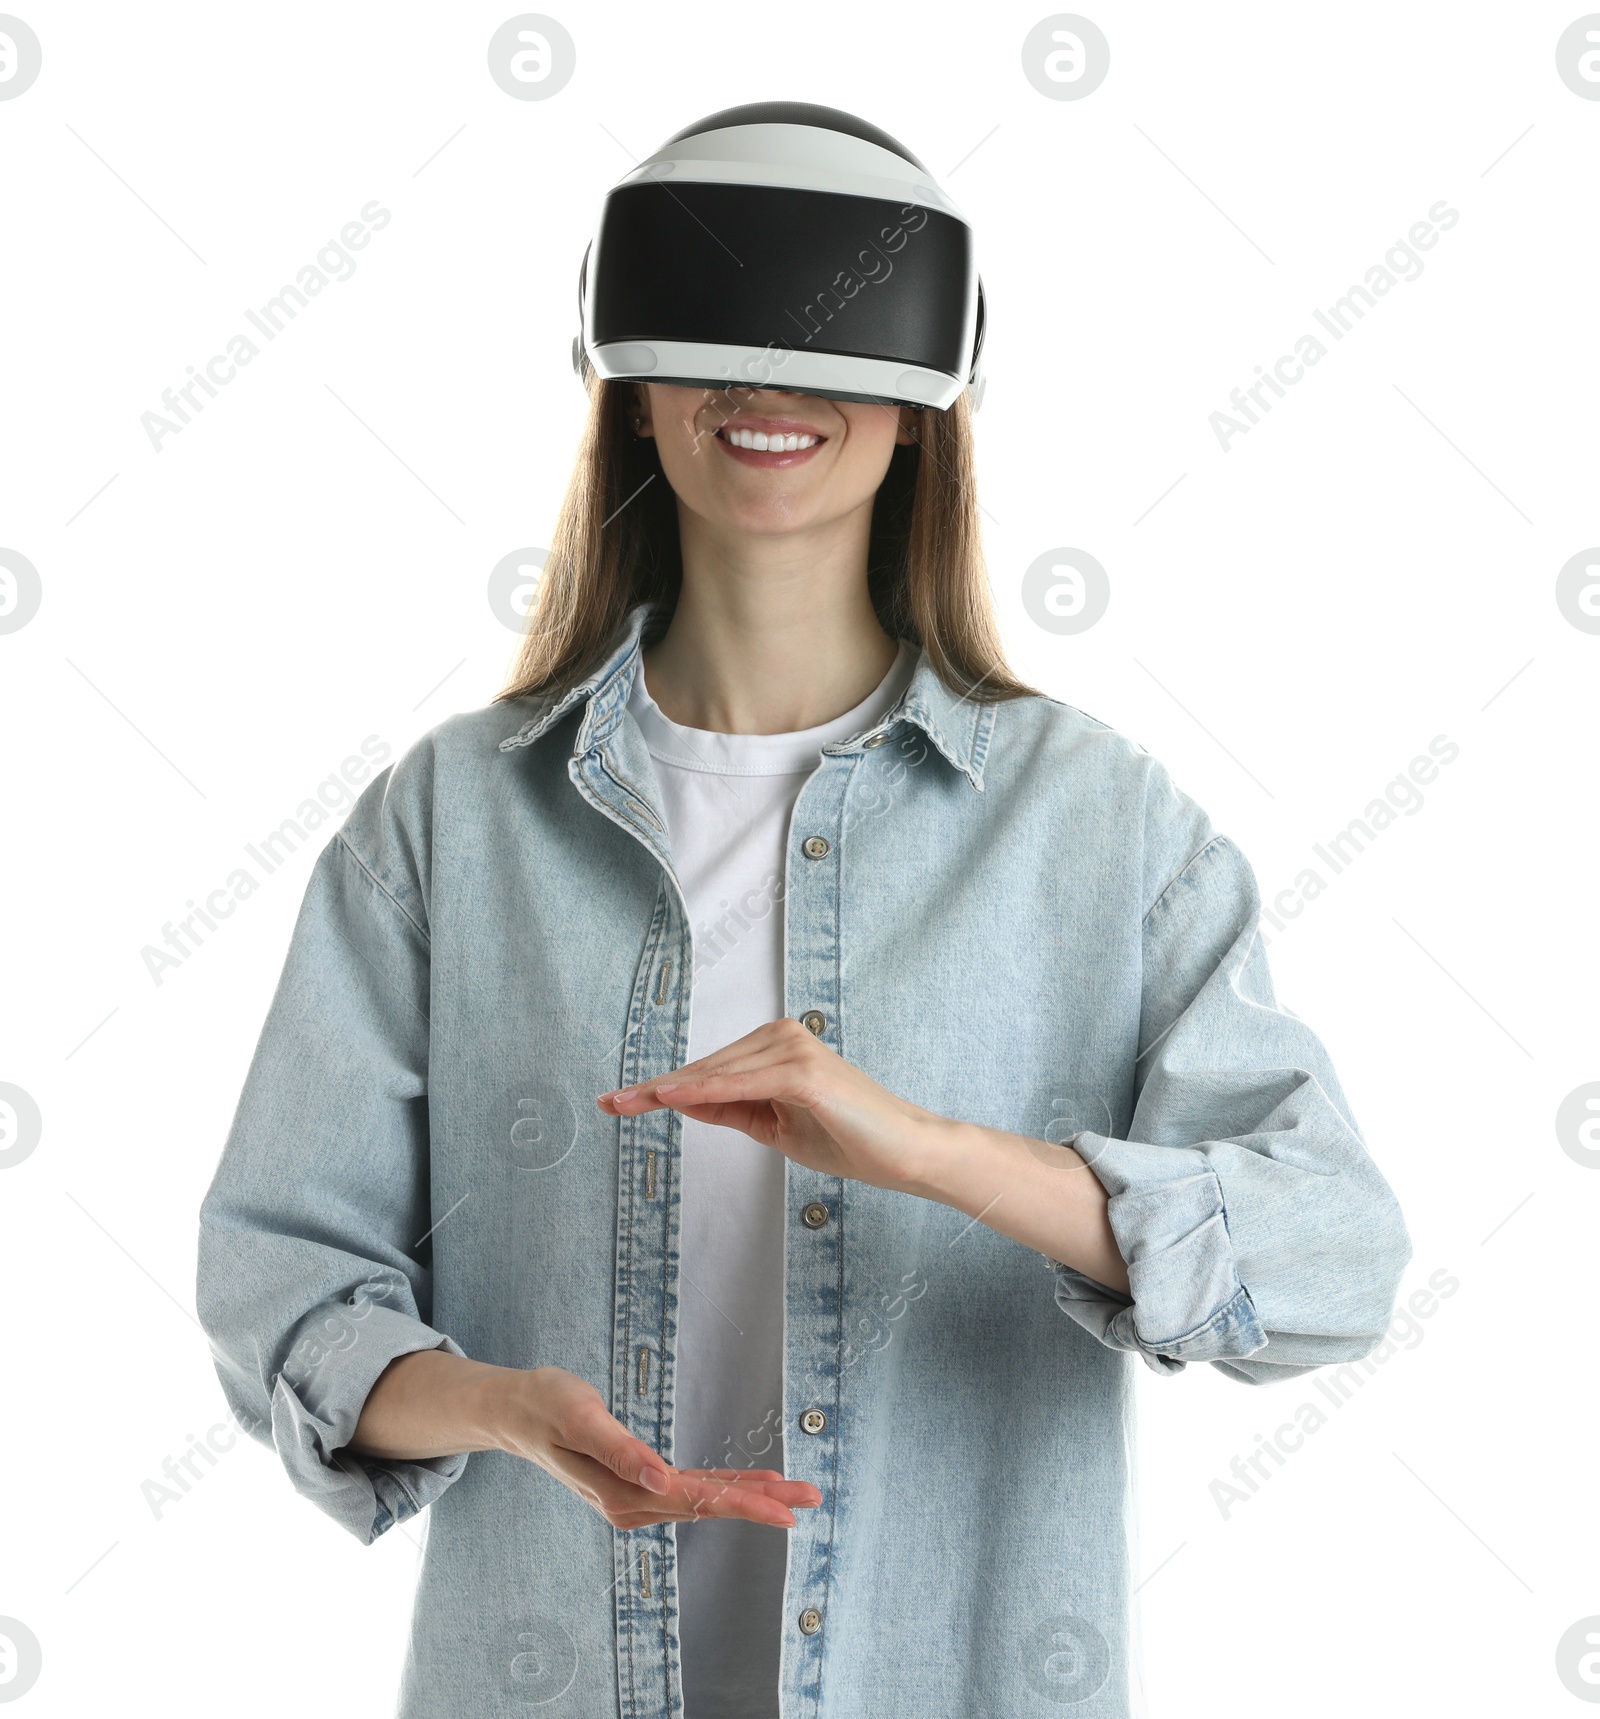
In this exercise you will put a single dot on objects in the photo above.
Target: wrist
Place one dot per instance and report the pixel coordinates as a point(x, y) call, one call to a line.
point(494, 1404)
point(945, 1156)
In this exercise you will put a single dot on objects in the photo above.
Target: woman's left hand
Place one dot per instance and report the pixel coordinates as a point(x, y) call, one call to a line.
point(782, 1086)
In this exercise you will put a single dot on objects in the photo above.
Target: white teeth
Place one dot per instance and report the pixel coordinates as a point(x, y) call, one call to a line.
point(761, 442)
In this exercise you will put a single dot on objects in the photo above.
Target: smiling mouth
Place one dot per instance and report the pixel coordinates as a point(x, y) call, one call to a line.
point(768, 447)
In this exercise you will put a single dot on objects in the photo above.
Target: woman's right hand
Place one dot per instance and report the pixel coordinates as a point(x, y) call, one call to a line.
point(431, 1403)
point(554, 1418)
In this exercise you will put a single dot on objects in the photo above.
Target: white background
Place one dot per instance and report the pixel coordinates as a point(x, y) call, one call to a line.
point(306, 564)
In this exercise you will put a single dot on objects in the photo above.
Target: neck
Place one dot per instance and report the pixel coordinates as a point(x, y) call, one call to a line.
point(771, 633)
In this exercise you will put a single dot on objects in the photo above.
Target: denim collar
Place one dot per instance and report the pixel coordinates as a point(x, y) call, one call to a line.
point(959, 726)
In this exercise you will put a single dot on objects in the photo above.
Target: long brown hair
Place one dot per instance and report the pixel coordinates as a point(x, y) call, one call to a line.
point(616, 545)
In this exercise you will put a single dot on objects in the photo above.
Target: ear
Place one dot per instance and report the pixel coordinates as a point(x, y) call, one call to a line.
point(639, 410)
point(908, 427)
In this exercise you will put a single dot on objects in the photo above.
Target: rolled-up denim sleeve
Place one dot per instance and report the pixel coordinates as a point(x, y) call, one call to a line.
point(1258, 1233)
point(312, 1275)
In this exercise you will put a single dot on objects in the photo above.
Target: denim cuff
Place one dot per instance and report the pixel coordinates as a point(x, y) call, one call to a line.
point(1186, 1302)
point(317, 1400)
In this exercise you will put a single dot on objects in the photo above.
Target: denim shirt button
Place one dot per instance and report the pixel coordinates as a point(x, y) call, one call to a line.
point(875, 740)
point(814, 1021)
point(815, 847)
point(814, 1215)
point(810, 1620)
point(813, 1421)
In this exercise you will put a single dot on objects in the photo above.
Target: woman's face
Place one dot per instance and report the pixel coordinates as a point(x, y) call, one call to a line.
point(779, 487)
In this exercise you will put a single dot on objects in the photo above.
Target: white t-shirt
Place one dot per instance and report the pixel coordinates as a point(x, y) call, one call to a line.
point(728, 800)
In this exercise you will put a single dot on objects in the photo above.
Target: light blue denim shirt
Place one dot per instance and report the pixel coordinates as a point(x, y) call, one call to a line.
point(1013, 917)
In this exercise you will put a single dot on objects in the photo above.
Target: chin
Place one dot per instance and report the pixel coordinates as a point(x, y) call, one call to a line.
point(768, 521)
point(764, 514)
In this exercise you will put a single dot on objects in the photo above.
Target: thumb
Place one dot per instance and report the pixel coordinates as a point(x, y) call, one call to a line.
point(631, 1458)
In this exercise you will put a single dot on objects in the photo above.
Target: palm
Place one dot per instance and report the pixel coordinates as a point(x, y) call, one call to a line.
point(788, 1128)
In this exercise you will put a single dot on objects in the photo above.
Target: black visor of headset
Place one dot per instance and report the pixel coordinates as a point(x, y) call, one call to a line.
point(708, 281)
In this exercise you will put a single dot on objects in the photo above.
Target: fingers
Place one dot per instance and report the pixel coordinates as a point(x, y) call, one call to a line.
point(770, 1501)
point(751, 1474)
point(621, 1476)
point(726, 1500)
point(570, 1433)
point(691, 1497)
point(765, 1480)
point(629, 1458)
point(771, 1045)
point(763, 1080)
point(752, 1119)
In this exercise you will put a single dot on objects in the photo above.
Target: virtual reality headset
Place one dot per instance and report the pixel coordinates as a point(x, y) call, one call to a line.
point(784, 245)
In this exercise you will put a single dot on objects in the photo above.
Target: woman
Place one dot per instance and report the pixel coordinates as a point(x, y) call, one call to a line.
point(736, 1106)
